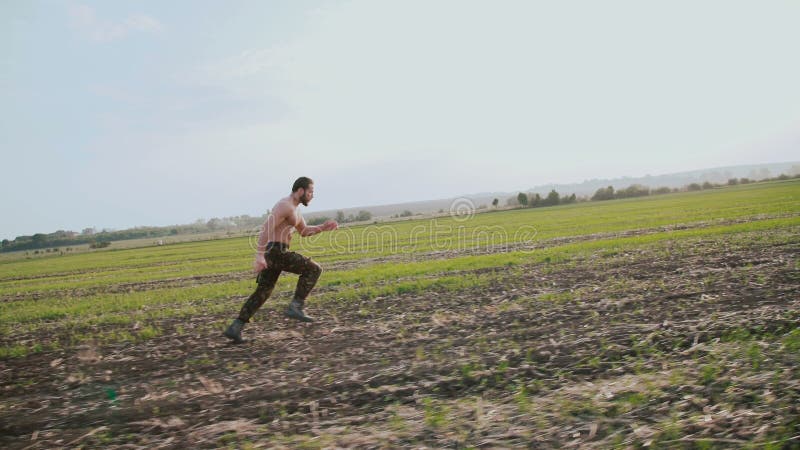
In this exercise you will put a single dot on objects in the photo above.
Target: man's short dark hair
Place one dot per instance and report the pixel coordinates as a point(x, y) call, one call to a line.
point(302, 182)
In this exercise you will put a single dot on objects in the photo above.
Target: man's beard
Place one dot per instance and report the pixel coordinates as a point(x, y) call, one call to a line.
point(304, 199)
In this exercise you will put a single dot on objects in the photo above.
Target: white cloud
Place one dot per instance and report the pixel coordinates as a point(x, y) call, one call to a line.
point(141, 22)
point(248, 63)
point(86, 21)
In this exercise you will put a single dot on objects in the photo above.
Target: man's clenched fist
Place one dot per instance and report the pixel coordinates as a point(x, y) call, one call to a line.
point(260, 263)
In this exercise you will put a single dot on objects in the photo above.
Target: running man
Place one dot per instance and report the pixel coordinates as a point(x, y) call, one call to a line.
point(273, 257)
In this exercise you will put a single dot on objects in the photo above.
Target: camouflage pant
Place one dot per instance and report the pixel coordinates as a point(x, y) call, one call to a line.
point(279, 258)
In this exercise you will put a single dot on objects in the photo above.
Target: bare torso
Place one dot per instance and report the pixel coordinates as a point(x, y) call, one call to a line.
point(278, 227)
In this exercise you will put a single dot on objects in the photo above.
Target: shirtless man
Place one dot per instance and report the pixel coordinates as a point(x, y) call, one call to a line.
point(273, 257)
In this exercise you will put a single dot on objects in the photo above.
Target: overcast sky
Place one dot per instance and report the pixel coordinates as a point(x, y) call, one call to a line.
point(119, 114)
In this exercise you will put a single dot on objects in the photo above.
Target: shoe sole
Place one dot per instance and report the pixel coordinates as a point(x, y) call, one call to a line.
point(236, 340)
point(296, 317)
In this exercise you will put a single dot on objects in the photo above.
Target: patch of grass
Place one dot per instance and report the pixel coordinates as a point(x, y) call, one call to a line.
point(670, 430)
point(583, 407)
point(240, 366)
point(205, 361)
point(20, 351)
point(556, 297)
point(148, 332)
point(791, 341)
point(435, 413)
point(467, 370)
point(709, 373)
point(755, 356)
point(632, 399)
point(737, 335)
point(522, 399)
point(397, 423)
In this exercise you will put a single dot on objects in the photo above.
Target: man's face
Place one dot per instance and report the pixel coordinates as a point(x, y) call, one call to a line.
point(308, 194)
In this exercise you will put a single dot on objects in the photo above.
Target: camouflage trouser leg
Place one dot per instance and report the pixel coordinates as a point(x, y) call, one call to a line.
point(308, 270)
point(278, 260)
point(266, 283)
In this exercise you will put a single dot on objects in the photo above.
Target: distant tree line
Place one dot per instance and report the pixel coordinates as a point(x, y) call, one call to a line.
point(634, 190)
point(637, 190)
point(342, 218)
point(408, 213)
point(534, 200)
point(100, 239)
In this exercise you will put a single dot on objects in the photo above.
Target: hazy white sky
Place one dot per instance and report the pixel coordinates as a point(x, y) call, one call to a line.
point(118, 114)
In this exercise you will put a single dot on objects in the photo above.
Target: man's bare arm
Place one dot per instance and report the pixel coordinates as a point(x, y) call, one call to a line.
point(261, 247)
point(260, 262)
point(311, 230)
point(305, 230)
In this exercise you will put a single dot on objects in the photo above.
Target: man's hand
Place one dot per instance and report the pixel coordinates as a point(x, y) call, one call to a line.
point(260, 263)
point(329, 225)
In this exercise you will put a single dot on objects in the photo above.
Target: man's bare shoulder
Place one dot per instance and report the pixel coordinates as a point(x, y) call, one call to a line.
point(284, 207)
